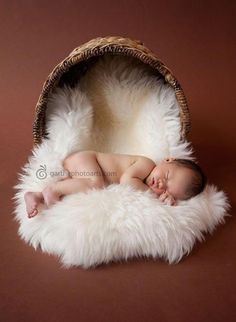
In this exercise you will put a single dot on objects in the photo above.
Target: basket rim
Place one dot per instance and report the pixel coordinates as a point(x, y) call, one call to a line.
point(98, 47)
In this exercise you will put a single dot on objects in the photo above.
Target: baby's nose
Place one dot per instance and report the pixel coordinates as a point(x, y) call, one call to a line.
point(160, 184)
point(160, 188)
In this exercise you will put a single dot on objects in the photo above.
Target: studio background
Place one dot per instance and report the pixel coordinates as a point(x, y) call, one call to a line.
point(196, 40)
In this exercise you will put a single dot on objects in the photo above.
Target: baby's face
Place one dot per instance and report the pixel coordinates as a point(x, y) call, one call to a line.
point(167, 176)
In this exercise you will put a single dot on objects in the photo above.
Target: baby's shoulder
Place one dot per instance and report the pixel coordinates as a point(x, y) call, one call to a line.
point(146, 160)
point(141, 157)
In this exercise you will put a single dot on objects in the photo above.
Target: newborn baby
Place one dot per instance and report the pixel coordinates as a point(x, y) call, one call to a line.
point(170, 180)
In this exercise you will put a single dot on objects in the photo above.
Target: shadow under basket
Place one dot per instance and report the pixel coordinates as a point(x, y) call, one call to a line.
point(112, 94)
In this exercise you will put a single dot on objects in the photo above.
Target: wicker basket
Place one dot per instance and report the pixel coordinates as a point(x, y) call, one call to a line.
point(81, 58)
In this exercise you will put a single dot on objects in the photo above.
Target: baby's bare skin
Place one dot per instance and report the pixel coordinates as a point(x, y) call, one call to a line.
point(91, 169)
point(111, 166)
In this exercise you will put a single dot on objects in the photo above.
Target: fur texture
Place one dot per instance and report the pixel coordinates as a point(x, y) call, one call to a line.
point(119, 106)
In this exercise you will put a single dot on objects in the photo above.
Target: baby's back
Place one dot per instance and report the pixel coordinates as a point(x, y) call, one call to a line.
point(114, 165)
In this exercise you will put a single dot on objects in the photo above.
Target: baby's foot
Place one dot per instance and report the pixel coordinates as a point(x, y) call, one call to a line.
point(50, 195)
point(32, 200)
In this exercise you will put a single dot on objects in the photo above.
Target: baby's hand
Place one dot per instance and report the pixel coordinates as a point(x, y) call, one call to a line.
point(167, 199)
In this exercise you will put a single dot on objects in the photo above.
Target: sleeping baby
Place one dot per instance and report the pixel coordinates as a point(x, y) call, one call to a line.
point(169, 180)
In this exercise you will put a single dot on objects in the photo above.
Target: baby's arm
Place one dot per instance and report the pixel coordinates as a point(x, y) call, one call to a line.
point(137, 172)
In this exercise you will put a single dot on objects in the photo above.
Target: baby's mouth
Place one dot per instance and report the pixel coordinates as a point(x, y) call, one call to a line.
point(155, 186)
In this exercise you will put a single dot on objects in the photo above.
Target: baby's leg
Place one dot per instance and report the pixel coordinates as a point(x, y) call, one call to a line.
point(57, 190)
point(83, 162)
point(32, 202)
point(85, 173)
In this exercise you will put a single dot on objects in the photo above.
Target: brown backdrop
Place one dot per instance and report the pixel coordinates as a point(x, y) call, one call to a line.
point(196, 40)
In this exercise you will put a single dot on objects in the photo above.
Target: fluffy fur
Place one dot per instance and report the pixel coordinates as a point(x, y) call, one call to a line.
point(119, 106)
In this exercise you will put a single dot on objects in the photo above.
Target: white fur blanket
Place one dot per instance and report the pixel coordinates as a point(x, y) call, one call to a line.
point(119, 106)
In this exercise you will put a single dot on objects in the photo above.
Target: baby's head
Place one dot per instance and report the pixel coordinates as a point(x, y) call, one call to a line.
point(182, 178)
